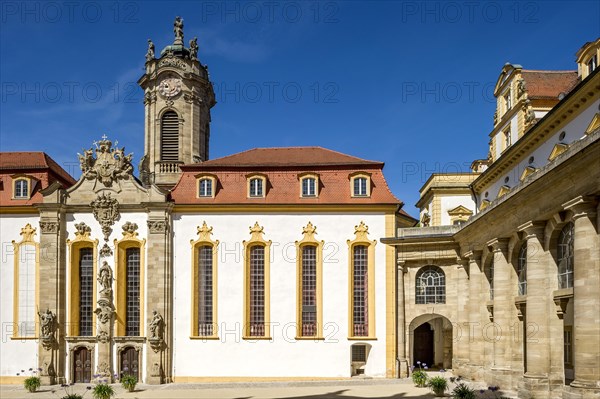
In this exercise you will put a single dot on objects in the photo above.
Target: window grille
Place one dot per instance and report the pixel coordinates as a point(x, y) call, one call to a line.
point(359, 353)
point(169, 134)
point(565, 256)
point(360, 291)
point(568, 346)
point(257, 291)
point(132, 297)
point(205, 286)
point(309, 290)
point(489, 274)
point(522, 269)
point(430, 285)
point(86, 292)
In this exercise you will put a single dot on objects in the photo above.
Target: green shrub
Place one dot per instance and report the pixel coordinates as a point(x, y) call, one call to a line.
point(129, 382)
point(32, 383)
point(419, 377)
point(463, 391)
point(103, 391)
point(437, 384)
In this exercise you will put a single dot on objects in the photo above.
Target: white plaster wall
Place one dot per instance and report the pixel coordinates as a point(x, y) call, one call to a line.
point(450, 202)
point(574, 130)
point(96, 233)
point(15, 355)
point(282, 356)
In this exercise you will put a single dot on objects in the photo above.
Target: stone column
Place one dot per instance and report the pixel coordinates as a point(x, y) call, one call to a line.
point(461, 330)
point(537, 312)
point(473, 329)
point(401, 322)
point(52, 295)
point(159, 307)
point(586, 295)
point(504, 306)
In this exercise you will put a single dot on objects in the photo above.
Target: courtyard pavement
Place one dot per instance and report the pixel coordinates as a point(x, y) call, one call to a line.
point(342, 389)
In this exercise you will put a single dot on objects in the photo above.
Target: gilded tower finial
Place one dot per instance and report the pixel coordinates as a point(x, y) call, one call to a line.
point(178, 29)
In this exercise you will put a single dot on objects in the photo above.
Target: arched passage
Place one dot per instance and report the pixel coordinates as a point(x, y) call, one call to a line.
point(430, 341)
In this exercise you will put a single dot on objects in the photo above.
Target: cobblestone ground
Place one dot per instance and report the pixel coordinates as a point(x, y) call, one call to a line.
point(342, 389)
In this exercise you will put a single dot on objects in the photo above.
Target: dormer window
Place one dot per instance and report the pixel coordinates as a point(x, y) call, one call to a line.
point(508, 101)
point(309, 185)
point(360, 185)
point(256, 186)
point(592, 64)
point(21, 188)
point(206, 186)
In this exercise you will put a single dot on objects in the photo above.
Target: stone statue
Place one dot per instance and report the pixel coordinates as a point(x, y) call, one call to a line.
point(178, 29)
point(425, 219)
point(150, 53)
point(194, 48)
point(105, 278)
point(156, 326)
point(47, 323)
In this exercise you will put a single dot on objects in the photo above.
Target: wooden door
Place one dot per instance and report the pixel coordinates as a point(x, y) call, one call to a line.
point(82, 365)
point(129, 362)
point(423, 345)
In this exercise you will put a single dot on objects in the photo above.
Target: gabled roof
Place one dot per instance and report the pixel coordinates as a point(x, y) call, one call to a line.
point(548, 84)
point(285, 157)
point(32, 161)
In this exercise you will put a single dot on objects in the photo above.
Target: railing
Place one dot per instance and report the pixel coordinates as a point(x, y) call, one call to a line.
point(205, 330)
point(169, 167)
point(257, 330)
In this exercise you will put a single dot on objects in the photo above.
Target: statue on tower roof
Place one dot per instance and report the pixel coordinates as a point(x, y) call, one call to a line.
point(150, 53)
point(178, 29)
point(194, 48)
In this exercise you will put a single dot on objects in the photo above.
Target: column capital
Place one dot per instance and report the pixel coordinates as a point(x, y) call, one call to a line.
point(498, 244)
point(582, 206)
point(473, 256)
point(532, 229)
point(401, 264)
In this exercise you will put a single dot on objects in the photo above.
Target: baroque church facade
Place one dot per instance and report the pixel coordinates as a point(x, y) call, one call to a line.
point(248, 266)
point(299, 262)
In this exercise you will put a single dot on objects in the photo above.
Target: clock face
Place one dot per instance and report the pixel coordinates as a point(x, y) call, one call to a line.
point(169, 87)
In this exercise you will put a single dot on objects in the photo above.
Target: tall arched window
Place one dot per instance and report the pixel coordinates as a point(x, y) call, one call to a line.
point(565, 256)
point(132, 294)
point(430, 285)
point(86, 291)
point(522, 269)
point(169, 137)
point(361, 291)
point(205, 288)
point(257, 291)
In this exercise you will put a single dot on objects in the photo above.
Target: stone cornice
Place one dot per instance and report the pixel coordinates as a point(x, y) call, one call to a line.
point(532, 229)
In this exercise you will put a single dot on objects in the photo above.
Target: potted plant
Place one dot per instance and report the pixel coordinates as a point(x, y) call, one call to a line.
point(438, 385)
point(129, 382)
point(33, 382)
point(419, 377)
point(463, 391)
point(103, 391)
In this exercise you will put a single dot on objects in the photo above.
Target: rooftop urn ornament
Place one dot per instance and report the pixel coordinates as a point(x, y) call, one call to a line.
point(178, 30)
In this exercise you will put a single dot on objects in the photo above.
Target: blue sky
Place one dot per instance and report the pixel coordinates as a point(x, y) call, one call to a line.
point(407, 83)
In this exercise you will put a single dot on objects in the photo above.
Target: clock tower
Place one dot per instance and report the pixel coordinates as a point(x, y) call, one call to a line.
point(178, 97)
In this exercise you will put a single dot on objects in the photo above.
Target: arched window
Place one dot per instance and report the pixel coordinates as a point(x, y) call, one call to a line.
point(205, 189)
point(132, 293)
point(169, 137)
point(205, 291)
point(256, 291)
point(309, 187)
point(21, 189)
point(522, 269)
point(430, 285)
point(565, 256)
point(360, 298)
point(309, 291)
point(86, 291)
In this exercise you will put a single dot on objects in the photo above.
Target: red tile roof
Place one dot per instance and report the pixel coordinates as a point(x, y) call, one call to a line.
point(32, 161)
point(282, 167)
point(548, 84)
point(287, 156)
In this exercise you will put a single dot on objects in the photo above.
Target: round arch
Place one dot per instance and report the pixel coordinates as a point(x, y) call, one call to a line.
point(431, 340)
